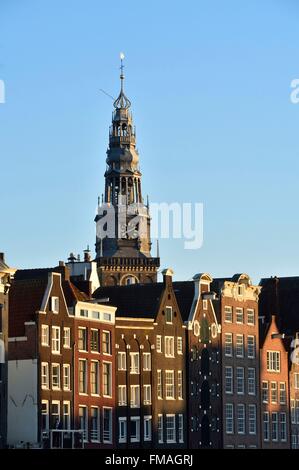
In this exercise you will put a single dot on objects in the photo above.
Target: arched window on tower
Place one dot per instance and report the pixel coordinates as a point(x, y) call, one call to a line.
point(124, 130)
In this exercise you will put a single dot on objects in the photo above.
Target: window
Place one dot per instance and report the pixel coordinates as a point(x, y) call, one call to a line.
point(54, 304)
point(250, 317)
point(240, 290)
point(147, 394)
point(168, 314)
point(293, 414)
point(266, 426)
point(180, 345)
point(265, 392)
point(252, 419)
point(274, 426)
point(273, 392)
point(122, 429)
point(45, 415)
point(205, 304)
point(106, 342)
point(240, 346)
point(296, 380)
point(273, 361)
point(251, 381)
point(170, 429)
point(45, 375)
point(96, 315)
point(107, 379)
point(297, 411)
point(169, 384)
point(251, 347)
point(181, 428)
point(134, 366)
point(55, 339)
point(66, 377)
point(82, 339)
point(135, 396)
point(282, 393)
point(83, 421)
point(228, 314)
point(146, 361)
point(240, 380)
point(147, 428)
point(122, 361)
point(160, 429)
point(169, 346)
point(107, 316)
point(229, 418)
point(228, 344)
point(83, 313)
point(241, 419)
point(45, 335)
point(122, 395)
point(94, 377)
point(107, 425)
point(55, 376)
point(180, 384)
point(55, 414)
point(283, 426)
point(135, 428)
point(159, 385)
point(94, 424)
point(66, 337)
point(82, 376)
point(228, 379)
point(159, 343)
point(94, 341)
point(239, 315)
point(66, 415)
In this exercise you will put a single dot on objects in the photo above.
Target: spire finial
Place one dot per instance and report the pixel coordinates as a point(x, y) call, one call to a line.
point(122, 102)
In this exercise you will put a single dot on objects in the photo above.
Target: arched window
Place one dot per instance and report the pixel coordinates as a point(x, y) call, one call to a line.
point(205, 395)
point(128, 280)
point(204, 331)
point(205, 362)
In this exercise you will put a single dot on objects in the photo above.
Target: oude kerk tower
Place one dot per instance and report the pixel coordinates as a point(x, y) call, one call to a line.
point(123, 243)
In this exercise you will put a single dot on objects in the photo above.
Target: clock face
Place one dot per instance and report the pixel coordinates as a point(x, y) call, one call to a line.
point(196, 328)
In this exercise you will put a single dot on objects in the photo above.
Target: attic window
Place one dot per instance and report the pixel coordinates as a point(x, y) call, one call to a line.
point(168, 314)
point(54, 304)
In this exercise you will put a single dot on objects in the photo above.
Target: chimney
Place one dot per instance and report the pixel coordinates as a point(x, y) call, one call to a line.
point(167, 276)
point(87, 256)
point(2, 257)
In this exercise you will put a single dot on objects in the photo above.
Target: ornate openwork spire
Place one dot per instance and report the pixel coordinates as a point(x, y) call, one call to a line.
point(122, 102)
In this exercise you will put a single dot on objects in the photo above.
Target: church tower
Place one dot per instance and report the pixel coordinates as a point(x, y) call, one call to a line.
point(123, 244)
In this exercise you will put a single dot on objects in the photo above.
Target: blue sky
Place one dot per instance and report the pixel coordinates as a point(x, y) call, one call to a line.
point(209, 83)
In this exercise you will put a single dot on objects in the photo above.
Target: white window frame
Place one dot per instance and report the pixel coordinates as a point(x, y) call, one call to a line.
point(45, 384)
point(296, 380)
point(168, 308)
point(122, 430)
point(274, 389)
point(282, 393)
point(97, 350)
point(45, 402)
point(179, 345)
point(97, 376)
point(108, 333)
point(273, 361)
point(55, 402)
point(169, 387)
point(252, 419)
point(147, 428)
point(45, 334)
point(241, 419)
point(169, 346)
point(147, 361)
point(66, 417)
point(274, 413)
point(159, 384)
point(229, 420)
point(55, 341)
point(110, 378)
point(251, 353)
point(147, 394)
point(66, 337)
point(239, 345)
point(122, 395)
point(84, 339)
point(56, 387)
point(95, 433)
point(228, 344)
point(181, 428)
point(85, 372)
point(159, 343)
point(66, 384)
point(251, 381)
point(228, 314)
point(250, 315)
point(228, 376)
point(265, 391)
point(122, 360)
point(266, 426)
point(54, 304)
point(173, 428)
point(134, 365)
point(85, 416)
point(240, 379)
point(240, 312)
point(134, 396)
point(180, 384)
point(137, 437)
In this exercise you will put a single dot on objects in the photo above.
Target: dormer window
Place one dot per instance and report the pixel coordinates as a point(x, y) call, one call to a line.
point(240, 289)
point(168, 314)
point(54, 304)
